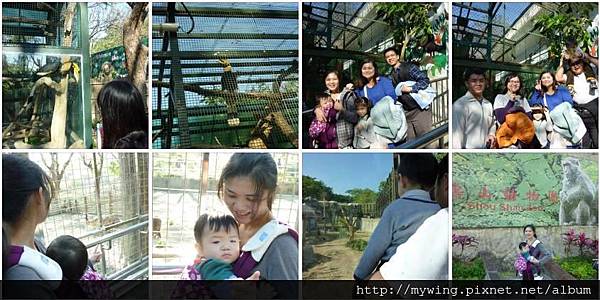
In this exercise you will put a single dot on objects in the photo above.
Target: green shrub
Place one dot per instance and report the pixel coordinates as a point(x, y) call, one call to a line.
point(468, 270)
point(357, 244)
point(578, 266)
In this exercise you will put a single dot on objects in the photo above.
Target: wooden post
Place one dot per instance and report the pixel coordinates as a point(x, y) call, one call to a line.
point(85, 208)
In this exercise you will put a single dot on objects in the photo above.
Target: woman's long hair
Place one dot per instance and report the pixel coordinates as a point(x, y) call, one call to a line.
point(123, 111)
point(362, 80)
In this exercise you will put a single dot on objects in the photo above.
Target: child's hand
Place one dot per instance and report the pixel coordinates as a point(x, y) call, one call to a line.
point(255, 276)
point(96, 256)
point(350, 86)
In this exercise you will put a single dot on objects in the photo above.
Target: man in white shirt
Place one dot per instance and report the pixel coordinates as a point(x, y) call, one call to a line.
point(582, 82)
point(424, 256)
point(473, 125)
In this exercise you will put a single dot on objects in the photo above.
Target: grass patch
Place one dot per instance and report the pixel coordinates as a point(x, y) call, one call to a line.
point(578, 266)
point(468, 270)
point(357, 244)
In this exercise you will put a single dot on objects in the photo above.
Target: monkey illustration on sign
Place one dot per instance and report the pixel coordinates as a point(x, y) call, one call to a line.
point(578, 196)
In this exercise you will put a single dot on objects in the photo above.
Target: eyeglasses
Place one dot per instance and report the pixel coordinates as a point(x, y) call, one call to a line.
point(575, 63)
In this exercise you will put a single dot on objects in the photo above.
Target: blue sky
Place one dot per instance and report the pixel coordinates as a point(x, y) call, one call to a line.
point(346, 171)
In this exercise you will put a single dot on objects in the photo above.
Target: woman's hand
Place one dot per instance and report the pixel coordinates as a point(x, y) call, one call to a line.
point(320, 115)
point(255, 276)
point(538, 86)
point(406, 89)
point(337, 105)
point(535, 261)
point(350, 86)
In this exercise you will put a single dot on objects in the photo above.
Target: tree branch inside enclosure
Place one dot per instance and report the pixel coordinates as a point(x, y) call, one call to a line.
point(136, 53)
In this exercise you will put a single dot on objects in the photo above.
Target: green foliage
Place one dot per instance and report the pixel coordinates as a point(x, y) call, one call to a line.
point(113, 38)
point(496, 174)
point(362, 195)
point(578, 266)
point(357, 244)
point(114, 168)
point(570, 22)
point(468, 270)
point(409, 22)
point(311, 187)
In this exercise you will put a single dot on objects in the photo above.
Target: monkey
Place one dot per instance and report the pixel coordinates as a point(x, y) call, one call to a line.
point(578, 196)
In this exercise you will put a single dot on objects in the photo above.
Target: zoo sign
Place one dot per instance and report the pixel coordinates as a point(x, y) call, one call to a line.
point(511, 190)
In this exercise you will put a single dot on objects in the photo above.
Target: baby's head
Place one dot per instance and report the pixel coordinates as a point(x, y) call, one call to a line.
point(362, 105)
point(71, 254)
point(537, 112)
point(523, 247)
point(324, 100)
point(217, 236)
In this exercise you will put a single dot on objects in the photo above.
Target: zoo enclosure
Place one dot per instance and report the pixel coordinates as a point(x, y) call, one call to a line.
point(101, 199)
point(189, 104)
point(36, 35)
point(501, 39)
point(185, 186)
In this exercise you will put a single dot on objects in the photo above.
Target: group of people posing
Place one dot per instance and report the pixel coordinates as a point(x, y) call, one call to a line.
point(376, 111)
point(561, 113)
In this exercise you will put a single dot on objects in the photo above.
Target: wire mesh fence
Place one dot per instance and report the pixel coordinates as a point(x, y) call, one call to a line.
point(185, 186)
point(228, 77)
point(101, 199)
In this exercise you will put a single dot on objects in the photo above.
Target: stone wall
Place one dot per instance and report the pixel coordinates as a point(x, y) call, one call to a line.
point(504, 242)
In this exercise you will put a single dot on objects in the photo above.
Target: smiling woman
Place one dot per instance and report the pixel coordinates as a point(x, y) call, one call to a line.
point(247, 186)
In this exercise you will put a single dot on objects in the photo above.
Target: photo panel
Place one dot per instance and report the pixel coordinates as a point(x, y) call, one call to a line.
point(375, 75)
point(89, 214)
point(225, 75)
point(199, 198)
point(525, 216)
point(70, 80)
point(525, 75)
point(369, 216)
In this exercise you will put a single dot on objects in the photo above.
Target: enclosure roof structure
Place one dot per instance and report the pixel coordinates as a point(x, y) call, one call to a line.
point(505, 28)
point(346, 20)
point(258, 40)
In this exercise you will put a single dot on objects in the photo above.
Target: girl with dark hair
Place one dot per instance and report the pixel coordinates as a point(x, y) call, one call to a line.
point(548, 93)
point(124, 117)
point(515, 129)
point(25, 204)
point(536, 250)
point(569, 128)
point(388, 114)
point(371, 85)
point(511, 99)
point(343, 104)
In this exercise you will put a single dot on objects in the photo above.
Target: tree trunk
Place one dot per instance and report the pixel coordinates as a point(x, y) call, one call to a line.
point(129, 196)
point(136, 53)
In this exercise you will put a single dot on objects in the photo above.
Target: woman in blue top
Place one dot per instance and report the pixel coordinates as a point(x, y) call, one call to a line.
point(371, 85)
point(555, 94)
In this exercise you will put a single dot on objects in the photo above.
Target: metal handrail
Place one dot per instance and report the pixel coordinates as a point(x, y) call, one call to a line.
point(111, 226)
point(133, 269)
point(436, 134)
point(167, 269)
point(117, 234)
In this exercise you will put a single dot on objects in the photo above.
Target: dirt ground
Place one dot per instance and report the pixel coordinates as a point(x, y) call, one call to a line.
point(334, 260)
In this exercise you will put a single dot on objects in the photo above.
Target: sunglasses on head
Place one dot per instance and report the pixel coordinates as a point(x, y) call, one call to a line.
point(577, 62)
